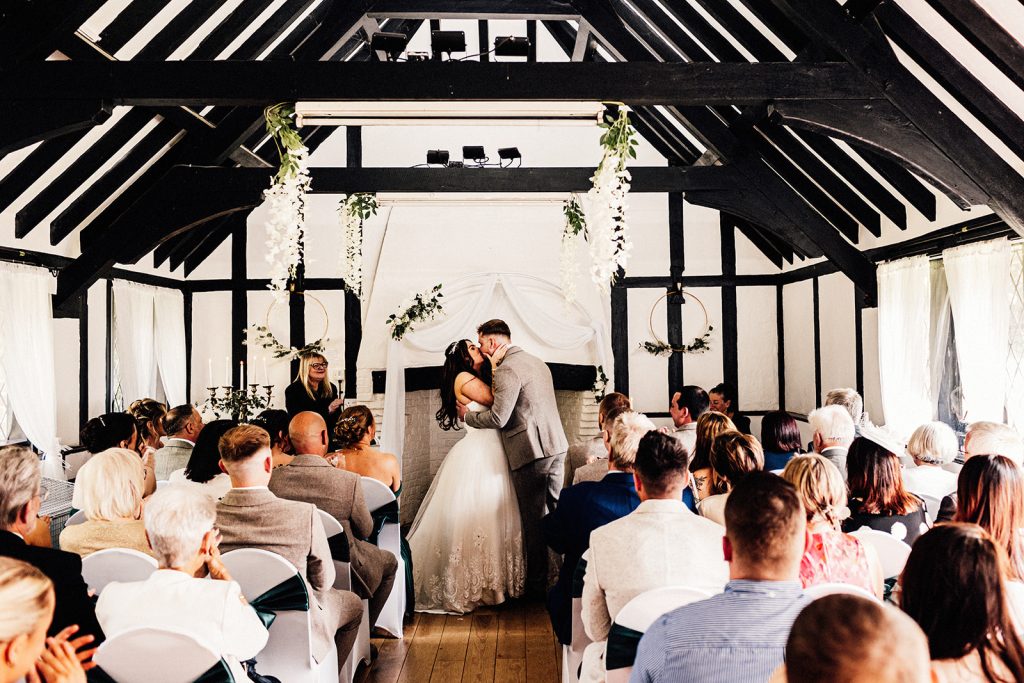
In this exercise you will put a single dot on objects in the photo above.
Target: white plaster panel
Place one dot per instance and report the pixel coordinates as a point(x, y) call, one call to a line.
point(797, 314)
point(758, 348)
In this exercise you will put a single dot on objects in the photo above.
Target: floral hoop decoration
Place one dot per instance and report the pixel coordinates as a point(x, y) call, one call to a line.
point(286, 198)
point(698, 345)
point(422, 306)
point(352, 211)
point(260, 335)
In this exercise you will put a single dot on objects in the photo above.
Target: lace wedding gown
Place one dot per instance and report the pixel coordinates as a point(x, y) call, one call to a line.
point(467, 541)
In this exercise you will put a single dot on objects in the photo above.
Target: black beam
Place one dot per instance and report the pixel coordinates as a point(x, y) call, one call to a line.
point(178, 29)
point(674, 303)
point(905, 182)
point(858, 343)
point(816, 308)
point(210, 244)
point(780, 334)
point(620, 338)
point(239, 300)
point(128, 22)
point(187, 296)
point(108, 353)
point(83, 360)
point(226, 31)
point(986, 34)
point(472, 9)
point(353, 306)
point(30, 31)
point(730, 335)
point(32, 167)
point(28, 122)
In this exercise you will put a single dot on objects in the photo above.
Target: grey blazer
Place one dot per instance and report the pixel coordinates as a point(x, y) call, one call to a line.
point(173, 456)
point(524, 410)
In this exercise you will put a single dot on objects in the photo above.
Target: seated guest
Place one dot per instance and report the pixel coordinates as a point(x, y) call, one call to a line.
point(354, 433)
point(985, 438)
point(585, 452)
point(28, 600)
point(250, 516)
point(833, 433)
point(108, 490)
point(25, 537)
point(685, 408)
point(990, 493)
point(180, 528)
point(780, 439)
point(850, 401)
point(587, 506)
point(831, 555)
point(733, 456)
point(598, 468)
point(311, 479)
point(931, 446)
point(878, 499)
point(120, 430)
point(149, 414)
point(709, 425)
point(723, 400)
point(867, 643)
point(202, 469)
point(631, 555)
point(953, 587)
point(738, 635)
point(276, 423)
point(183, 425)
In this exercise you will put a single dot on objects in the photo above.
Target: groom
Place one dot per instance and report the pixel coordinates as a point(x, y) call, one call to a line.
point(525, 411)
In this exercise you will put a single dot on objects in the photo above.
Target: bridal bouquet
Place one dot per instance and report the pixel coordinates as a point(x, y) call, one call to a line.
point(422, 306)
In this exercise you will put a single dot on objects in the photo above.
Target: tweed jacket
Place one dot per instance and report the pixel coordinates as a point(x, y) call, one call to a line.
point(524, 410)
point(173, 456)
point(311, 479)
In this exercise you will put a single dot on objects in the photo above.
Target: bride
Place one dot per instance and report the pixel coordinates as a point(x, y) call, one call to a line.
point(466, 540)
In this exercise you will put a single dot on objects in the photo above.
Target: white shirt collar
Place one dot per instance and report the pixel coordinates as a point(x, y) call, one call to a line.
point(178, 438)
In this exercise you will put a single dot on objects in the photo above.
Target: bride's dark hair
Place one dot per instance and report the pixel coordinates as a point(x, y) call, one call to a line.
point(456, 360)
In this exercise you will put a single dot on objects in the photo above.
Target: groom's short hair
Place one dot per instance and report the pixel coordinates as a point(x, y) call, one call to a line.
point(496, 327)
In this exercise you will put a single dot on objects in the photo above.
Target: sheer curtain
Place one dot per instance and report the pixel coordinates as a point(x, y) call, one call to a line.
point(134, 339)
point(26, 351)
point(169, 333)
point(978, 276)
point(904, 317)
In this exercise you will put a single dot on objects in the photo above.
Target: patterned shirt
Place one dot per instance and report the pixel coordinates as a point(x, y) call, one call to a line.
point(738, 635)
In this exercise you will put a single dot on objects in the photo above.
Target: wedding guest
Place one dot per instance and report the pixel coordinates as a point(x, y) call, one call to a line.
point(850, 401)
point(25, 536)
point(120, 430)
point(180, 528)
point(685, 408)
point(250, 516)
point(833, 431)
point(354, 433)
point(733, 456)
point(311, 479)
point(108, 490)
point(931, 446)
point(630, 555)
point(588, 505)
point(709, 426)
point(183, 425)
point(831, 556)
point(723, 400)
point(203, 470)
point(953, 586)
point(275, 422)
point(990, 493)
point(780, 439)
point(740, 634)
point(878, 498)
point(312, 391)
point(585, 452)
point(867, 642)
point(149, 414)
point(595, 470)
point(985, 438)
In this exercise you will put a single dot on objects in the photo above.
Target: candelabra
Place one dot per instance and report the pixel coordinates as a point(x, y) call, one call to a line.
point(240, 404)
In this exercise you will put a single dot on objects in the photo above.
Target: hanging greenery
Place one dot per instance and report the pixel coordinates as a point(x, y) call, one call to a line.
point(575, 229)
point(260, 335)
point(600, 384)
point(286, 198)
point(610, 245)
point(698, 345)
point(352, 211)
point(422, 306)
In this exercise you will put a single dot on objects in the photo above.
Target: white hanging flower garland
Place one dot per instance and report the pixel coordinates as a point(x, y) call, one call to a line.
point(575, 230)
point(286, 198)
point(352, 211)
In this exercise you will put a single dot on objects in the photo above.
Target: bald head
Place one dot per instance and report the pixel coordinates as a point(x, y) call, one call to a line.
point(308, 433)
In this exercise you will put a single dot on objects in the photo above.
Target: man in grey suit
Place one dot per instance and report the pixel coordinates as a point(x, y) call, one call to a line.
point(182, 425)
point(525, 411)
point(250, 516)
point(311, 479)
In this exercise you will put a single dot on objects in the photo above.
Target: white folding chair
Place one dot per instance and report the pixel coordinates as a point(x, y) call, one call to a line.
point(572, 654)
point(892, 552)
point(116, 564)
point(162, 483)
point(156, 656)
point(931, 506)
point(643, 610)
point(377, 495)
point(289, 651)
point(77, 518)
point(822, 589)
point(343, 580)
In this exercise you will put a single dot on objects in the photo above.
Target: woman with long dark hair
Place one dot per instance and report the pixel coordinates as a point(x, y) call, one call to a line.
point(990, 493)
point(878, 498)
point(467, 541)
point(203, 468)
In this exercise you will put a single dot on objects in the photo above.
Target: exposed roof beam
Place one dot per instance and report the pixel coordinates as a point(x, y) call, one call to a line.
point(26, 123)
point(31, 30)
point(985, 34)
point(472, 9)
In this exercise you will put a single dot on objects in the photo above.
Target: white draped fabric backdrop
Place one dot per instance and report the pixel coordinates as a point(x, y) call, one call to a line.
point(149, 333)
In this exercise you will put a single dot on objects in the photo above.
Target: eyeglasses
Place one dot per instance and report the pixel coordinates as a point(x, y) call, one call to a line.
point(44, 493)
point(318, 366)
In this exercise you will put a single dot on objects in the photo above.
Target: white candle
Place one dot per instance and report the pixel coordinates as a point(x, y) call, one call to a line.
point(209, 371)
point(255, 373)
point(227, 371)
point(266, 377)
point(241, 374)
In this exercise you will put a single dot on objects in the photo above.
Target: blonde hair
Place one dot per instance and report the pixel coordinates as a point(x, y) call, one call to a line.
point(326, 389)
point(995, 438)
point(353, 424)
point(819, 485)
point(27, 597)
point(626, 431)
point(20, 478)
point(110, 486)
point(934, 443)
point(709, 425)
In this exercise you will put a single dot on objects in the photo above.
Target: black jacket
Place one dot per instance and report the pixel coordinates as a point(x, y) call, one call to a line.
point(296, 400)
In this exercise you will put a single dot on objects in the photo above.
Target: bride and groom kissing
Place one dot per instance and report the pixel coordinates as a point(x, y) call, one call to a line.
point(496, 484)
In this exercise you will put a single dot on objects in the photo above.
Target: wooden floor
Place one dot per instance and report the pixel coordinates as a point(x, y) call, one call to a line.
point(494, 644)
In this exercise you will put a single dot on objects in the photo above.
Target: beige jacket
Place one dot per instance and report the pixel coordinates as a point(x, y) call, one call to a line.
point(173, 456)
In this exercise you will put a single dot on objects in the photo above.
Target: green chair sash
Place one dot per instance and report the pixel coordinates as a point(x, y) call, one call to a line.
point(385, 514)
point(289, 596)
point(218, 673)
point(340, 551)
point(621, 649)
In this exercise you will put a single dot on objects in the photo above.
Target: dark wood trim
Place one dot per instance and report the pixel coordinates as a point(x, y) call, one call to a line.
point(780, 333)
point(83, 361)
point(730, 325)
point(566, 377)
point(297, 309)
point(673, 303)
point(816, 310)
point(239, 300)
point(187, 296)
point(471, 9)
point(109, 351)
point(858, 340)
point(353, 306)
point(620, 338)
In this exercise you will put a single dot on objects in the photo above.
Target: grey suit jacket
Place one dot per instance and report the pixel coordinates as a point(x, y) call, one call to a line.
point(256, 518)
point(311, 479)
point(524, 410)
point(173, 456)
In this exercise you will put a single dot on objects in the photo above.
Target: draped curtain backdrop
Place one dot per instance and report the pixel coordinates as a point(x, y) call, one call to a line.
point(469, 301)
point(904, 320)
point(26, 351)
point(169, 331)
point(978, 276)
point(149, 331)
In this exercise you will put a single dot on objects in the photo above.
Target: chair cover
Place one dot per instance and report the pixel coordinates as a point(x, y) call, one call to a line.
point(387, 536)
point(158, 656)
point(116, 564)
point(822, 589)
point(892, 552)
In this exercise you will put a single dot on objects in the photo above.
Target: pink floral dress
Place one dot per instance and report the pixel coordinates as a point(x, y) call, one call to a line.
point(835, 557)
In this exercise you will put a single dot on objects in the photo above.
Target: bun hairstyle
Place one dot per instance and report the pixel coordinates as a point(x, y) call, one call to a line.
point(149, 413)
point(26, 595)
point(353, 424)
point(108, 431)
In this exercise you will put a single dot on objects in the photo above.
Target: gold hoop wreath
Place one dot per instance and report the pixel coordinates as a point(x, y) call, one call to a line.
point(661, 348)
point(266, 339)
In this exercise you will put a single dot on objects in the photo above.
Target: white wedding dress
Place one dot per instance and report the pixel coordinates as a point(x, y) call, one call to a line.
point(467, 540)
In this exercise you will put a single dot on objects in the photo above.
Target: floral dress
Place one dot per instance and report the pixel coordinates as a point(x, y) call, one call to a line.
point(835, 557)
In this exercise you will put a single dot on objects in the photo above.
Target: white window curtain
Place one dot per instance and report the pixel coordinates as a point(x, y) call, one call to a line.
point(134, 341)
point(978, 276)
point(169, 332)
point(26, 351)
point(904, 320)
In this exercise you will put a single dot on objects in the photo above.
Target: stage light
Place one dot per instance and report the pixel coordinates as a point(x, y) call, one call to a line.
point(437, 156)
point(447, 42)
point(511, 46)
point(391, 43)
point(474, 153)
point(509, 153)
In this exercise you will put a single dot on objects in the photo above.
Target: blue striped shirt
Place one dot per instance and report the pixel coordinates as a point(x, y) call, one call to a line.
point(738, 635)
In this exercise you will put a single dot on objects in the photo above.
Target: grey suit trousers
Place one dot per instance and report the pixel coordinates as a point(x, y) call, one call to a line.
point(537, 485)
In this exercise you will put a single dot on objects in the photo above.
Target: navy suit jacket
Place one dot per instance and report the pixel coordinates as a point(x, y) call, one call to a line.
point(581, 509)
